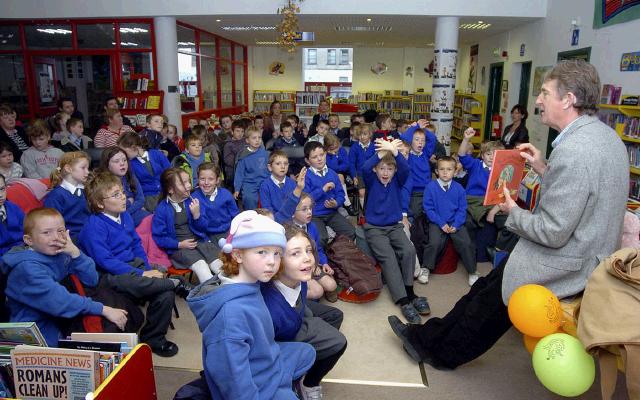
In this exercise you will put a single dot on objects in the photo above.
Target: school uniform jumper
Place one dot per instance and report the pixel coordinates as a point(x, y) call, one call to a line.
point(295, 164)
point(116, 247)
point(299, 323)
point(34, 292)
point(230, 152)
point(420, 169)
point(11, 229)
point(251, 170)
point(240, 356)
point(73, 208)
point(447, 207)
point(219, 211)
point(357, 157)
point(135, 201)
point(274, 198)
point(323, 216)
point(384, 231)
point(339, 162)
point(148, 174)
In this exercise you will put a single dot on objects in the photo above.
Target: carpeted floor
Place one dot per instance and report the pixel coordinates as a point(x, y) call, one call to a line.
point(375, 366)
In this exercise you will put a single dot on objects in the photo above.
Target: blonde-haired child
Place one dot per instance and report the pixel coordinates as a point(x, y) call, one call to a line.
point(251, 169)
point(240, 355)
point(67, 190)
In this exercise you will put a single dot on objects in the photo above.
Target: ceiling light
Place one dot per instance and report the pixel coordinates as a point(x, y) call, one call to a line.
point(266, 43)
point(431, 44)
point(378, 28)
point(218, 20)
point(54, 31)
point(480, 22)
point(126, 44)
point(249, 28)
point(368, 19)
point(186, 44)
point(133, 30)
point(477, 26)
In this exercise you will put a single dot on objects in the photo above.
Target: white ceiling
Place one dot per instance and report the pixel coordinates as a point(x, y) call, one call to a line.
point(405, 30)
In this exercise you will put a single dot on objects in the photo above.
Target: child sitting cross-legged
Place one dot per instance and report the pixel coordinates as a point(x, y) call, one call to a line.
point(240, 355)
point(296, 319)
point(33, 289)
point(445, 204)
point(384, 175)
point(109, 237)
point(180, 228)
point(251, 169)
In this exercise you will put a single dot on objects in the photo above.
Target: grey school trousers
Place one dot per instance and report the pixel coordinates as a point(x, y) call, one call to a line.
point(396, 255)
point(337, 222)
point(465, 247)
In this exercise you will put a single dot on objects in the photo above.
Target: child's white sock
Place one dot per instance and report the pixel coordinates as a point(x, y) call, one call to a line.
point(216, 266)
point(347, 202)
point(201, 268)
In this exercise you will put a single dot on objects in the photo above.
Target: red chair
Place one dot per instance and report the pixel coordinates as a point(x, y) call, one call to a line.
point(21, 196)
point(448, 262)
point(171, 271)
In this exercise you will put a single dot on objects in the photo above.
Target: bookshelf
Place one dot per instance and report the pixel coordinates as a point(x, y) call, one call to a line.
point(399, 107)
point(367, 101)
point(468, 111)
point(307, 105)
point(137, 105)
point(262, 99)
point(421, 106)
point(625, 120)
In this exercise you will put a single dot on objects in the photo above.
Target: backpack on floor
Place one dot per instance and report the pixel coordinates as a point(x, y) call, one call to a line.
point(355, 272)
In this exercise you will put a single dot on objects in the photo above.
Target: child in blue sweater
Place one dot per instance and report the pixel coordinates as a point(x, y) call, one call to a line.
point(359, 153)
point(109, 237)
point(115, 160)
point(251, 169)
point(34, 291)
point(478, 175)
point(194, 155)
point(217, 202)
point(423, 144)
point(296, 319)
point(67, 194)
point(338, 161)
point(147, 166)
point(11, 219)
point(384, 175)
point(324, 187)
point(240, 356)
point(180, 228)
point(446, 207)
point(288, 140)
point(279, 191)
point(152, 134)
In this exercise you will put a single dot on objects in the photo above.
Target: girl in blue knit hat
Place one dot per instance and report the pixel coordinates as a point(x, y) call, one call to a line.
point(241, 358)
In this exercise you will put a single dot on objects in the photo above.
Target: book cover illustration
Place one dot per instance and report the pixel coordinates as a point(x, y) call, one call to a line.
point(506, 171)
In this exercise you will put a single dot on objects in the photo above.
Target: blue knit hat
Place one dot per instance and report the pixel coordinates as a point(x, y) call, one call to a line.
point(250, 229)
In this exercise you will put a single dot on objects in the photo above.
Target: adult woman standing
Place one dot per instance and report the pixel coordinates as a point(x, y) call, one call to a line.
point(272, 122)
point(517, 132)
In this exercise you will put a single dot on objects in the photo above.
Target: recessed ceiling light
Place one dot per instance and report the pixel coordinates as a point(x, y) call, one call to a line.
point(249, 28)
point(368, 28)
point(480, 22)
point(368, 19)
point(266, 43)
point(218, 20)
point(476, 26)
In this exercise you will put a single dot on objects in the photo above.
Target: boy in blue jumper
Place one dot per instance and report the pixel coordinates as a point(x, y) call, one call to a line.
point(11, 219)
point(278, 191)
point(478, 176)
point(218, 203)
point(338, 161)
point(241, 358)
point(423, 144)
point(152, 134)
point(288, 140)
point(251, 169)
point(384, 175)
point(34, 291)
point(446, 207)
point(359, 152)
point(192, 156)
point(324, 187)
point(109, 237)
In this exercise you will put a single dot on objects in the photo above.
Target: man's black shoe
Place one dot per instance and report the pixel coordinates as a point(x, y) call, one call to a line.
point(168, 349)
point(402, 331)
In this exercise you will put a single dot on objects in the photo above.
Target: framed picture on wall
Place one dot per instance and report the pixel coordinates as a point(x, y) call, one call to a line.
point(538, 76)
point(505, 86)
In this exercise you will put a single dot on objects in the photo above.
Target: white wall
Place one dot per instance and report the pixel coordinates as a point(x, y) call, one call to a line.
point(543, 40)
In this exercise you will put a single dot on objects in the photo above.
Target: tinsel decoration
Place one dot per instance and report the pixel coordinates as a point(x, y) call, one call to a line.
point(288, 28)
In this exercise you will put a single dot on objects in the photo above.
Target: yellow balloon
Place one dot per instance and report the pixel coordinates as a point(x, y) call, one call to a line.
point(535, 311)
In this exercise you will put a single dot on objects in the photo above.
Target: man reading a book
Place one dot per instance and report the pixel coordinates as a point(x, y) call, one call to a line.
point(577, 222)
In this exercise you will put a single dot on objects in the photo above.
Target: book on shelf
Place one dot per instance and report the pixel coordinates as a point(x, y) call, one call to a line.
point(15, 333)
point(131, 339)
point(309, 98)
point(610, 94)
point(506, 171)
point(153, 102)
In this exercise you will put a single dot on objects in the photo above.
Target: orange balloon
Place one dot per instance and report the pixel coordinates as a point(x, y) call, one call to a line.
point(530, 342)
point(535, 311)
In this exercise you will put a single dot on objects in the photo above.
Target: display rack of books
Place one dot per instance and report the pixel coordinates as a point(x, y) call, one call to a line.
point(624, 118)
point(262, 99)
point(468, 111)
point(307, 105)
point(367, 101)
point(399, 107)
point(421, 106)
point(137, 105)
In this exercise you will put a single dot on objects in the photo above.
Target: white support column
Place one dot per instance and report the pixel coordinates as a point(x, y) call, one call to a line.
point(444, 77)
point(167, 58)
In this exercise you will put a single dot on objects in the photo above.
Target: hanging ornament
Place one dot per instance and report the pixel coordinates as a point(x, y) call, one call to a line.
point(288, 27)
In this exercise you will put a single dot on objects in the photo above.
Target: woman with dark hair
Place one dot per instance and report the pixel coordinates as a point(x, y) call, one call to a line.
point(272, 122)
point(517, 132)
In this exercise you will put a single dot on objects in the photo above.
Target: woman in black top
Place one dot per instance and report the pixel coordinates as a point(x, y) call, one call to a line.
point(517, 132)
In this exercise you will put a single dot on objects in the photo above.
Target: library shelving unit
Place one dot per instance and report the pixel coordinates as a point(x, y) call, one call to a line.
point(307, 105)
point(626, 122)
point(468, 111)
point(421, 106)
point(398, 107)
point(262, 99)
point(367, 101)
point(136, 105)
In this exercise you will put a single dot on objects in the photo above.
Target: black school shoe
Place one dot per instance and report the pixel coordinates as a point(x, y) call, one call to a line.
point(421, 305)
point(183, 289)
point(168, 349)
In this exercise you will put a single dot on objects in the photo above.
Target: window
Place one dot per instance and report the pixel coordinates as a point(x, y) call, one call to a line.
point(96, 36)
point(331, 56)
point(312, 56)
point(12, 83)
point(344, 56)
point(10, 37)
point(48, 36)
point(135, 35)
point(343, 79)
